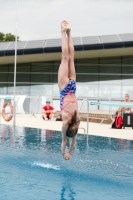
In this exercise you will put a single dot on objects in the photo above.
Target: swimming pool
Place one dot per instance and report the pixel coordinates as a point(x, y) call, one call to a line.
point(32, 168)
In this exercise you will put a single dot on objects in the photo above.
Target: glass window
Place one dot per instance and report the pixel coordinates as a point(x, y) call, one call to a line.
point(110, 76)
point(43, 67)
point(42, 90)
point(86, 90)
point(127, 80)
point(56, 91)
point(3, 68)
point(20, 77)
point(23, 77)
point(86, 65)
point(127, 69)
point(3, 89)
point(127, 60)
point(3, 77)
point(111, 60)
point(56, 66)
point(20, 89)
point(110, 91)
point(10, 77)
point(127, 85)
point(110, 65)
point(55, 76)
point(22, 67)
point(127, 89)
point(93, 79)
point(110, 79)
point(127, 65)
point(10, 89)
point(110, 69)
point(42, 78)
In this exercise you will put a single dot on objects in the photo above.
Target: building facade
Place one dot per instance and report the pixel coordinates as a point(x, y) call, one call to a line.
point(104, 66)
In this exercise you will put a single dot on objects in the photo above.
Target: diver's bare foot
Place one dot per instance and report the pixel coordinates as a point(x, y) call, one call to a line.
point(67, 156)
point(63, 26)
point(67, 25)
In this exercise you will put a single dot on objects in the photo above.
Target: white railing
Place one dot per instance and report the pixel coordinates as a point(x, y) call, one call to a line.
point(86, 100)
point(95, 112)
point(33, 105)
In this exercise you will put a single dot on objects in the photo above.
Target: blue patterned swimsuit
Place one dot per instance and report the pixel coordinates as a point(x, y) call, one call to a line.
point(69, 89)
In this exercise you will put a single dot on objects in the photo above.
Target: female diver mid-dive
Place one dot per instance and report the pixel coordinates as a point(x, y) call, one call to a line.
point(67, 86)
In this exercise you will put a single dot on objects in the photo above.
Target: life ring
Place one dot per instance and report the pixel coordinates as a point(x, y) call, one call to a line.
point(10, 116)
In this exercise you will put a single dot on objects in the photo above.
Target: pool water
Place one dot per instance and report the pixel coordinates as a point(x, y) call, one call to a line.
point(32, 168)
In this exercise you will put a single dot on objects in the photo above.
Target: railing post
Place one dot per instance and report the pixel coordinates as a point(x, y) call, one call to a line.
point(87, 116)
point(87, 113)
point(0, 112)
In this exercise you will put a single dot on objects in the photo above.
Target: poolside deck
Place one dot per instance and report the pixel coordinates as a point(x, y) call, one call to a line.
point(94, 128)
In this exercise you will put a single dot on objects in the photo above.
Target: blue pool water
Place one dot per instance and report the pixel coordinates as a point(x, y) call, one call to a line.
point(32, 168)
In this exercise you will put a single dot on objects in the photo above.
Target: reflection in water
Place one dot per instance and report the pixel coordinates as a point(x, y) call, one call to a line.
point(7, 133)
point(67, 193)
point(100, 167)
point(32, 137)
point(46, 134)
point(126, 144)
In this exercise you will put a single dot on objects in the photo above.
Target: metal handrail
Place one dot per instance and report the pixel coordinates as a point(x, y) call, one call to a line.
point(82, 129)
point(91, 98)
point(97, 99)
point(87, 112)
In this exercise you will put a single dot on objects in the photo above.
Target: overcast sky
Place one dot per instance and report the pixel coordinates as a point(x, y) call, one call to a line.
point(40, 19)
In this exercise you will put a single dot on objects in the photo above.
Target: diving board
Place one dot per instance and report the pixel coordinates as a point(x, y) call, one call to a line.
point(118, 104)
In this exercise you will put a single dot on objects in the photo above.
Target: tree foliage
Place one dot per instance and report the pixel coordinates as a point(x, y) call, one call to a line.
point(2, 35)
point(7, 37)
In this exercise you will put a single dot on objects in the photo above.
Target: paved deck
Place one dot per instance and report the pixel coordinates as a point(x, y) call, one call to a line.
point(94, 128)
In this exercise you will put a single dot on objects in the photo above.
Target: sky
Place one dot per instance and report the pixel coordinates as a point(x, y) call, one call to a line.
point(40, 19)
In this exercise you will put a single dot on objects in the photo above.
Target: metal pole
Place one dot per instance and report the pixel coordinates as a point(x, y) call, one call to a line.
point(15, 62)
point(87, 116)
point(0, 113)
point(87, 113)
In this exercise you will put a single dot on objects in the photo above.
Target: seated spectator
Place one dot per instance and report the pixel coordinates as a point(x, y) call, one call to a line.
point(48, 111)
point(121, 110)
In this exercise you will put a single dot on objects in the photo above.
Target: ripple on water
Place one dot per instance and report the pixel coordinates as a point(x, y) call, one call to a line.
point(45, 165)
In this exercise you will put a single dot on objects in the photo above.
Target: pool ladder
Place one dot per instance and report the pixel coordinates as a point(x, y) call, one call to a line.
point(87, 128)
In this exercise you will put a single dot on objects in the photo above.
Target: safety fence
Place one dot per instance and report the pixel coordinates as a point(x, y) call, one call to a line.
point(95, 112)
point(101, 112)
point(32, 105)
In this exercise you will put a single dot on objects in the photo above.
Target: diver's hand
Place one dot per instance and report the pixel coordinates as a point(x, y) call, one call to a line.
point(67, 156)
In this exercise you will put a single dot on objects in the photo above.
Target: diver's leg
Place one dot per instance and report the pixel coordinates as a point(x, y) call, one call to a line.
point(63, 69)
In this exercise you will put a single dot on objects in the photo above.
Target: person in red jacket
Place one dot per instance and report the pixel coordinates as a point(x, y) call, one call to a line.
point(122, 110)
point(48, 111)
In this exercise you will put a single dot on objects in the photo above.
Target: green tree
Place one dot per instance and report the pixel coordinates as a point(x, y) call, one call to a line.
point(10, 37)
point(2, 36)
point(7, 37)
